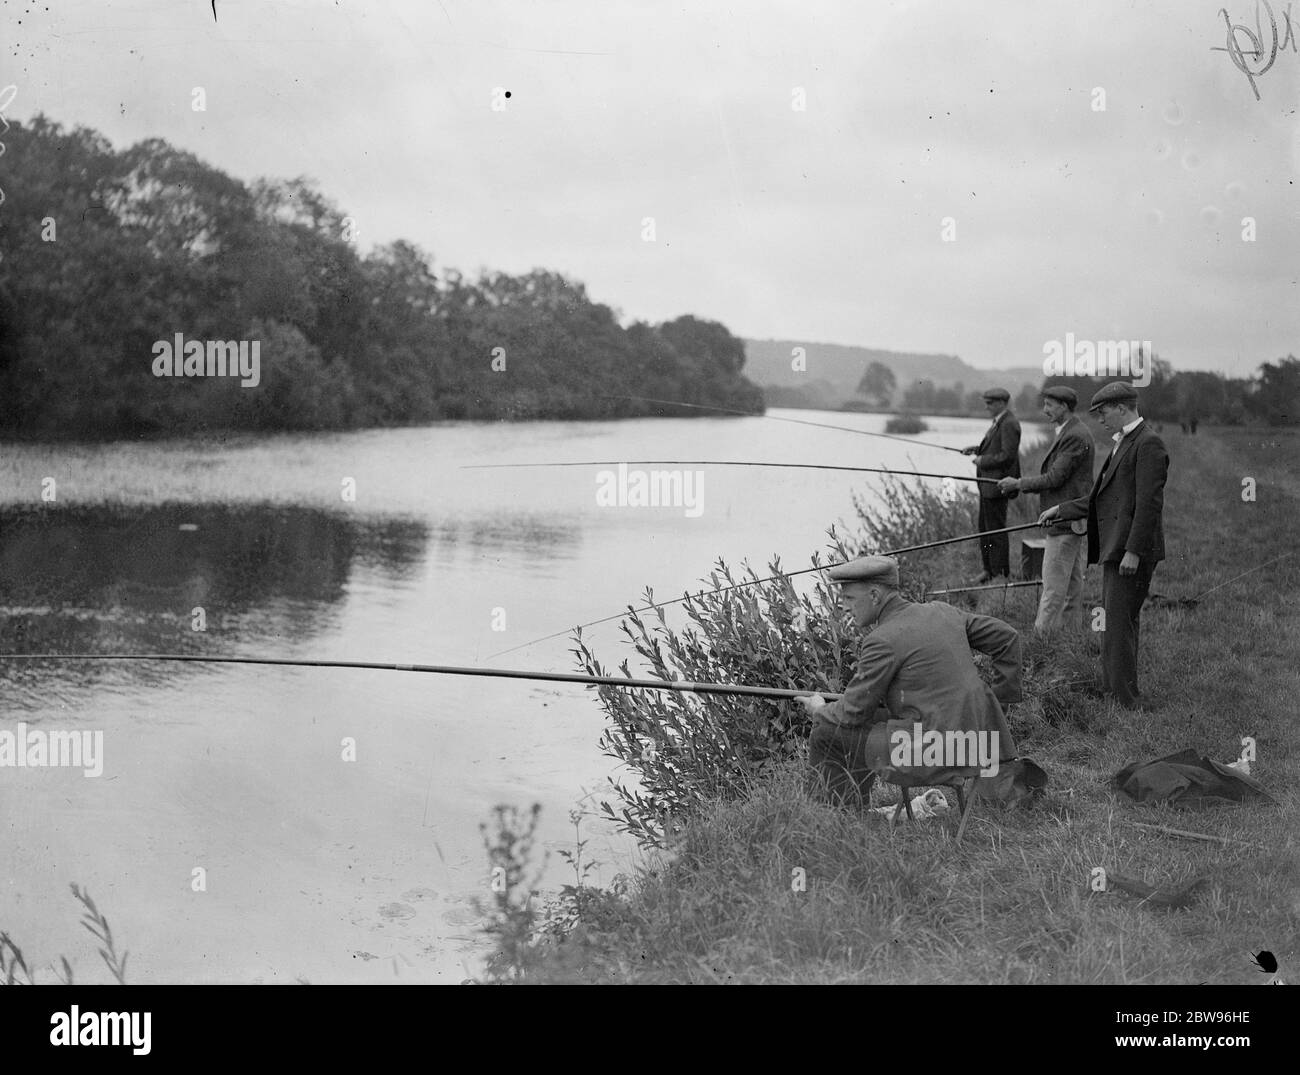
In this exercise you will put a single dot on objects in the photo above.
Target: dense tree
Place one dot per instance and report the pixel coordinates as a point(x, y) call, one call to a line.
point(1278, 398)
point(878, 384)
point(108, 253)
point(1026, 401)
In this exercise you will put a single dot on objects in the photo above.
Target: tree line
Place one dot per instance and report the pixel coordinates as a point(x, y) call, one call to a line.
point(1271, 395)
point(108, 252)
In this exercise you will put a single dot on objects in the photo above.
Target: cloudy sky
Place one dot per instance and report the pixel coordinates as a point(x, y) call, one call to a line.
point(820, 224)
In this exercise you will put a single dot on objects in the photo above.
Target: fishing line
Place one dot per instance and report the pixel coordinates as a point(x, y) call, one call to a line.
point(727, 463)
point(755, 582)
point(794, 421)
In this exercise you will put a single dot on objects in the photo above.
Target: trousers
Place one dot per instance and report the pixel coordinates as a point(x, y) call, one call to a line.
point(1121, 598)
point(1065, 559)
point(995, 552)
point(837, 756)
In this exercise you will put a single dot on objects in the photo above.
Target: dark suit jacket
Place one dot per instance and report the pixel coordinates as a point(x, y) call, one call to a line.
point(1127, 500)
point(1066, 473)
point(999, 455)
point(917, 663)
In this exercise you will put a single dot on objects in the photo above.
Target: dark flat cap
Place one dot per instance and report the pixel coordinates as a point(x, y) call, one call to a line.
point(1062, 394)
point(1115, 392)
point(997, 393)
point(882, 569)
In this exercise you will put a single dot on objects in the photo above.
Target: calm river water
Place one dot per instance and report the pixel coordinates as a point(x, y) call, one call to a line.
point(315, 867)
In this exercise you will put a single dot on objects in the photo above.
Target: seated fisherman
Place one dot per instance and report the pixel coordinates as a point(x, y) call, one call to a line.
point(916, 663)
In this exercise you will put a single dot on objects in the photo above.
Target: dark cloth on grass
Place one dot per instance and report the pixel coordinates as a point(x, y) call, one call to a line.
point(1187, 779)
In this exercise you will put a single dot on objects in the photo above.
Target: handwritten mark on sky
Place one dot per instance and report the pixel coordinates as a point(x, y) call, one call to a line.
point(1238, 55)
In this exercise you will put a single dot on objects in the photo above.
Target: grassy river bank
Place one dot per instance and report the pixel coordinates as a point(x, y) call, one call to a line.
point(1013, 904)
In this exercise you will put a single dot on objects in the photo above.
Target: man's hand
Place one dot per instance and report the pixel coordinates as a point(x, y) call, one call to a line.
point(972, 450)
point(812, 704)
point(1049, 516)
point(1008, 485)
point(1129, 564)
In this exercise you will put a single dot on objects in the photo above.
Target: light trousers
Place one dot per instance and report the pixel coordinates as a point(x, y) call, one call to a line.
point(1065, 559)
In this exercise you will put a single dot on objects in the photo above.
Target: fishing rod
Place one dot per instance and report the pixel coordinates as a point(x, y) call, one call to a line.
point(727, 463)
point(438, 669)
point(977, 589)
point(1234, 578)
point(757, 582)
point(794, 421)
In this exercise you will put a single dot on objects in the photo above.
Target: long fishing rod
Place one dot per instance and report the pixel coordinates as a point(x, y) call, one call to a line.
point(727, 463)
point(977, 589)
point(757, 582)
point(437, 669)
point(795, 421)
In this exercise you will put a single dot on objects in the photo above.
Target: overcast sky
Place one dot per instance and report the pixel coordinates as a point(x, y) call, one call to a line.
point(815, 225)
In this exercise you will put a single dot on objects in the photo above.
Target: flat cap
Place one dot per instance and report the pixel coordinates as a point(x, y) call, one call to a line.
point(997, 393)
point(1062, 394)
point(882, 569)
point(1115, 392)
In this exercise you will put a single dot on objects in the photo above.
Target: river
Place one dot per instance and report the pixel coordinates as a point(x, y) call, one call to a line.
point(229, 837)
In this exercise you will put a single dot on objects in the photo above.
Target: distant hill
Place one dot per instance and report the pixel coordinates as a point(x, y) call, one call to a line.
point(834, 370)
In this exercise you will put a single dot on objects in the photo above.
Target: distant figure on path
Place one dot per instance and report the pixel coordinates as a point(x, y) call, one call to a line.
point(1066, 474)
point(1125, 531)
point(996, 456)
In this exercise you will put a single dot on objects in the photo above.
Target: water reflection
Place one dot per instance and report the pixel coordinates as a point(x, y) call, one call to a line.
point(115, 578)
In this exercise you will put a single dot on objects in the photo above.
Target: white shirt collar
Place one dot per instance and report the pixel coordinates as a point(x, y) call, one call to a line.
point(1117, 437)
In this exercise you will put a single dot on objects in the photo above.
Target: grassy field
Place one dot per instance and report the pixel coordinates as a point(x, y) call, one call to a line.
point(1013, 904)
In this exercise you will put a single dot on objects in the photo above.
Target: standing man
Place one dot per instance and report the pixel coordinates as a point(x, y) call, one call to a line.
point(1125, 531)
point(996, 456)
point(1066, 474)
point(916, 665)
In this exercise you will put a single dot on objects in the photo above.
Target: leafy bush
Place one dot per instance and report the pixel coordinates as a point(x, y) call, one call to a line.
point(906, 424)
point(686, 750)
point(511, 918)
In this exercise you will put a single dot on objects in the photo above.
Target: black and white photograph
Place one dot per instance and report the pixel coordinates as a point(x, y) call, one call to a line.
point(629, 493)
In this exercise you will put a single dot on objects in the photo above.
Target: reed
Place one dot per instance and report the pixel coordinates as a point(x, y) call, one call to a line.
point(14, 969)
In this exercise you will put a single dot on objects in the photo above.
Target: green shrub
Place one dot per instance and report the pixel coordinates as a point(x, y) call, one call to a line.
point(685, 751)
point(906, 424)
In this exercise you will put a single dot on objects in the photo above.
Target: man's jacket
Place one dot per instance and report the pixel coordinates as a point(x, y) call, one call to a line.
point(1066, 473)
point(917, 663)
point(999, 454)
point(1127, 501)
